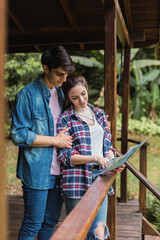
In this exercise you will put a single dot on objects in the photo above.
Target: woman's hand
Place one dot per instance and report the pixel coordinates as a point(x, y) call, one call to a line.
point(119, 169)
point(103, 162)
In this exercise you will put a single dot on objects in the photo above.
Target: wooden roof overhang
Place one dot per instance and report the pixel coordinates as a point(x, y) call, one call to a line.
point(79, 25)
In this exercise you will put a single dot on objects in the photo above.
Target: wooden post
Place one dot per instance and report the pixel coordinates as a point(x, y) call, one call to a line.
point(110, 96)
point(142, 188)
point(125, 111)
point(3, 222)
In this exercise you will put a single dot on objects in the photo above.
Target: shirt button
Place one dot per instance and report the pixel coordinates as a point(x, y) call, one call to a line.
point(50, 155)
point(51, 129)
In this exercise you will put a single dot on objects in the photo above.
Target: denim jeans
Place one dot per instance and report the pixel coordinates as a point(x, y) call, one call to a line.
point(42, 210)
point(101, 216)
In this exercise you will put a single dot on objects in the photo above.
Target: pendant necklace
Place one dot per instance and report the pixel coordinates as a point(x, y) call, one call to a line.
point(88, 117)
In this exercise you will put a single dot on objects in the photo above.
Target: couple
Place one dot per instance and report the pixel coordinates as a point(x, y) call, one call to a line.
point(48, 136)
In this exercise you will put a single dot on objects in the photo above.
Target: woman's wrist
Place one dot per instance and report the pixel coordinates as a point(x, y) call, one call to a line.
point(95, 159)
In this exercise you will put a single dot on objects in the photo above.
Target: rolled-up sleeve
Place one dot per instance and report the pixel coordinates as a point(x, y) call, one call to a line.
point(64, 154)
point(21, 128)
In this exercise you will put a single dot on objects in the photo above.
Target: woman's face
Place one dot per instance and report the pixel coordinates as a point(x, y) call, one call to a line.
point(78, 95)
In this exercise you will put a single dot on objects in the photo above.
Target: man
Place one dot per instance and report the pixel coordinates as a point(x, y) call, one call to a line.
point(33, 129)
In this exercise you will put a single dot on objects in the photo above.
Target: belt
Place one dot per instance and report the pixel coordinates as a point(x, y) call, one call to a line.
point(95, 167)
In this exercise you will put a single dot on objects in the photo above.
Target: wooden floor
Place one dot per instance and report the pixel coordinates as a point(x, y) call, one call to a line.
point(128, 220)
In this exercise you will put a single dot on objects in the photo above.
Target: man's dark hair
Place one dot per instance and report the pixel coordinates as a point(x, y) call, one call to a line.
point(56, 57)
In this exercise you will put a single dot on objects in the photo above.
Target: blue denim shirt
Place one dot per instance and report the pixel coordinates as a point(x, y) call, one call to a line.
point(31, 116)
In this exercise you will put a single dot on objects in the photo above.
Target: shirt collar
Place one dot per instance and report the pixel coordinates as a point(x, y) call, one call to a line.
point(46, 89)
point(72, 111)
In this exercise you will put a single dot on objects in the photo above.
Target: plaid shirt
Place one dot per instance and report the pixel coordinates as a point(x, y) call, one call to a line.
point(77, 179)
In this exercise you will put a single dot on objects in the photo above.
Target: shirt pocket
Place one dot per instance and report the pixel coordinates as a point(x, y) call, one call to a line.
point(41, 123)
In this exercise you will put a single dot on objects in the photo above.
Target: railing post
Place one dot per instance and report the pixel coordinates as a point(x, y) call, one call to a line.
point(125, 112)
point(110, 96)
point(142, 188)
point(3, 207)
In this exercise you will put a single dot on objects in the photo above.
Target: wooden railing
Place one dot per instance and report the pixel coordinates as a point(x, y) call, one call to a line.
point(147, 228)
point(78, 222)
point(85, 211)
point(142, 176)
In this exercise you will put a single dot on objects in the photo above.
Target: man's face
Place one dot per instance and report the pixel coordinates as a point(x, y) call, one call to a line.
point(54, 77)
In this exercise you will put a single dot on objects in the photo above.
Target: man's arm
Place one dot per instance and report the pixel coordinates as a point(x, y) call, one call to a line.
point(61, 140)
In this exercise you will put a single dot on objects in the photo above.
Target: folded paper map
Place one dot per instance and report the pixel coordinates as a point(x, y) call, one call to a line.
point(119, 161)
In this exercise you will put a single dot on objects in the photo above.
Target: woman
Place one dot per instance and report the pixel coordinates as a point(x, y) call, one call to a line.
point(90, 152)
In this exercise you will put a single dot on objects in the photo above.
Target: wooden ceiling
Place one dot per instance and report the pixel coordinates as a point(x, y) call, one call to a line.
point(34, 25)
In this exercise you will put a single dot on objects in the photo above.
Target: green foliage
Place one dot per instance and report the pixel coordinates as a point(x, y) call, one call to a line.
point(91, 66)
point(87, 62)
point(20, 69)
point(142, 126)
point(153, 211)
point(143, 63)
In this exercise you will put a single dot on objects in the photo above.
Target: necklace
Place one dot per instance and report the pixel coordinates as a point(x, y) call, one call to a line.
point(88, 117)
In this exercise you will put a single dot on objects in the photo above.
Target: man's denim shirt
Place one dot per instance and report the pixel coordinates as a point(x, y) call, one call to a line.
point(31, 116)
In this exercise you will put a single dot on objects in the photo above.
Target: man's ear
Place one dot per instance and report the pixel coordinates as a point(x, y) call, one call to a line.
point(45, 68)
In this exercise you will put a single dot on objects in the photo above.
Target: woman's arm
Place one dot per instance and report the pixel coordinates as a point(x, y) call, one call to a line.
point(77, 159)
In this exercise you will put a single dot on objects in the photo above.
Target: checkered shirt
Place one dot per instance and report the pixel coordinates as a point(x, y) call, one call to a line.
point(76, 179)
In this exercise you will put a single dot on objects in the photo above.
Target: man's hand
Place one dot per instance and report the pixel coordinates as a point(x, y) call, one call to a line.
point(62, 140)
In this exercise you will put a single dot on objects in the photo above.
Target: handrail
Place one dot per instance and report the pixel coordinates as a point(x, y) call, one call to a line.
point(143, 179)
point(134, 141)
point(82, 216)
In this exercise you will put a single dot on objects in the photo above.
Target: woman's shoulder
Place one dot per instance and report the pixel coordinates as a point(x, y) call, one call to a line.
point(65, 115)
point(97, 110)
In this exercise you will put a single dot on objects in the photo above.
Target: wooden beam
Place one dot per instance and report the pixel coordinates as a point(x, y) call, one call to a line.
point(82, 216)
point(70, 15)
point(122, 31)
point(156, 52)
point(125, 112)
point(40, 39)
point(65, 29)
point(142, 188)
point(13, 15)
point(148, 229)
point(69, 47)
point(127, 8)
point(82, 46)
point(138, 35)
point(145, 44)
point(111, 96)
point(3, 206)
point(38, 49)
point(71, 19)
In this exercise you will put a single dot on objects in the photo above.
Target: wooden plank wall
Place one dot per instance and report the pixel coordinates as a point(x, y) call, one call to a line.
point(2, 165)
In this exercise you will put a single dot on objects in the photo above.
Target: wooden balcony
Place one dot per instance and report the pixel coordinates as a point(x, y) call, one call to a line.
point(129, 221)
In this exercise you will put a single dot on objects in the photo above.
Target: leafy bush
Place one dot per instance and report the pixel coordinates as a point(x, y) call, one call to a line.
point(153, 211)
point(142, 126)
